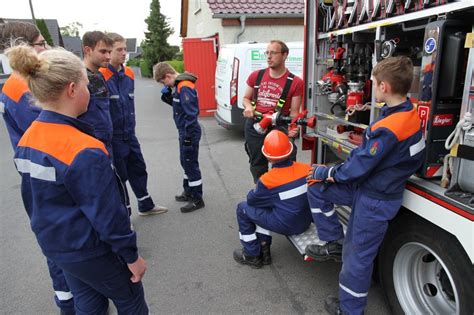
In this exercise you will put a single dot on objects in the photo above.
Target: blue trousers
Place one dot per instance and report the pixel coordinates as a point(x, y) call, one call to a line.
point(95, 281)
point(130, 165)
point(62, 295)
point(189, 158)
point(367, 227)
point(255, 225)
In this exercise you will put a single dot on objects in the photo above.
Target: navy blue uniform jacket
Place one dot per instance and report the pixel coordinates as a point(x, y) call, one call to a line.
point(70, 192)
point(388, 156)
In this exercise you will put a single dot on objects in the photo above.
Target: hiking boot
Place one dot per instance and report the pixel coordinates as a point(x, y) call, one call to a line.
point(155, 210)
point(193, 205)
point(242, 258)
point(333, 306)
point(330, 250)
point(266, 255)
point(183, 197)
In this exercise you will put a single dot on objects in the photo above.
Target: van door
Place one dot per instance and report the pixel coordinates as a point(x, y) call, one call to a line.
point(222, 86)
point(255, 59)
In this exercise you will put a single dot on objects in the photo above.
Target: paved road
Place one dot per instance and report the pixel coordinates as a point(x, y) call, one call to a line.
point(190, 265)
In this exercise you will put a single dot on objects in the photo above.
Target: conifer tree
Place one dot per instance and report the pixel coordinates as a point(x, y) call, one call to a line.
point(155, 46)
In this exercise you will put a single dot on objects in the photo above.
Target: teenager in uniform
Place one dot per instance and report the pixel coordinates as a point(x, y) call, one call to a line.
point(19, 111)
point(180, 92)
point(70, 191)
point(127, 155)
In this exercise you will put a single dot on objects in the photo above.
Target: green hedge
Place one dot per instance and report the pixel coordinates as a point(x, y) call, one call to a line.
point(134, 62)
point(178, 65)
point(146, 68)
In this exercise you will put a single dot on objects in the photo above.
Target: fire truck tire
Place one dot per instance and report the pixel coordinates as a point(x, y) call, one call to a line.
point(424, 270)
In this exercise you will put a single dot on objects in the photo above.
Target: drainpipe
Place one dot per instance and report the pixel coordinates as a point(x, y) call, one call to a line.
point(242, 28)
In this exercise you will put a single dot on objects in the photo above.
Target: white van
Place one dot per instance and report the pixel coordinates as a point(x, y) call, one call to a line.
point(234, 65)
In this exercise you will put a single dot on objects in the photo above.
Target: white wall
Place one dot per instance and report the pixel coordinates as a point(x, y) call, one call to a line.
point(201, 24)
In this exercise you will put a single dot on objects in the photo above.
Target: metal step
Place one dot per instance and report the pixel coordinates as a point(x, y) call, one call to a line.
point(300, 241)
point(310, 236)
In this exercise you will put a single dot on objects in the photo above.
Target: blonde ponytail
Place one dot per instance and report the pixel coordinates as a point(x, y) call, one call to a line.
point(48, 72)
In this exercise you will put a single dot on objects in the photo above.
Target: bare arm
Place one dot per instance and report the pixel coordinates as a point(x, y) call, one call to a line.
point(294, 111)
point(247, 102)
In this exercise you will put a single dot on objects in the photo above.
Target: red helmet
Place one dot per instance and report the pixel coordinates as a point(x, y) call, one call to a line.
point(277, 145)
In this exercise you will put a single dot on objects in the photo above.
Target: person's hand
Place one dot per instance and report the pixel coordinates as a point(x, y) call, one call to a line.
point(248, 112)
point(317, 174)
point(137, 269)
point(293, 132)
point(167, 95)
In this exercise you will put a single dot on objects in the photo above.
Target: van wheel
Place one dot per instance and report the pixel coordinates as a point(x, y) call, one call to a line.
point(424, 269)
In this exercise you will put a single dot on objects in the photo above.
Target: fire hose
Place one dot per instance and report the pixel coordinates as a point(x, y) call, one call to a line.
point(271, 119)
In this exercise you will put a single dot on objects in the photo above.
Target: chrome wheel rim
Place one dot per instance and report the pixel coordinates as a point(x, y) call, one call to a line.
point(422, 282)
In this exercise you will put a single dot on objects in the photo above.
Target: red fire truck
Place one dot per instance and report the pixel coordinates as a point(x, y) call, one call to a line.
point(425, 264)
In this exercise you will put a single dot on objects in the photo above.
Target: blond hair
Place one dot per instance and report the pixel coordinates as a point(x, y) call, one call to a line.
point(115, 37)
point(47, 73)
point(161, 69)
point(396, 71)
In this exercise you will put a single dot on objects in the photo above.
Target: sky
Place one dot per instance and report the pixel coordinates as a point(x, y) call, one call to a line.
point(119, 16)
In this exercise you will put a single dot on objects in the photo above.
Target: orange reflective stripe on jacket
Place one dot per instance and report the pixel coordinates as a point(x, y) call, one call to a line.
point(15, 87)
point(410, 126)
point(107, 73)
point(60, 141)
point(281, 176)
point(188, 84)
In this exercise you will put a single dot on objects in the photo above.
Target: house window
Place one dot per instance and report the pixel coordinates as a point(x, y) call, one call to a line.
point(197, 6)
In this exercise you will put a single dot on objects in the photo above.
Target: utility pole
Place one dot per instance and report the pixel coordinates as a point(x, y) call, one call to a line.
point(32, 12)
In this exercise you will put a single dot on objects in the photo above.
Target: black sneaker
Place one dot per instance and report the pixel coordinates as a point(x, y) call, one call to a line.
point(183, 197)
point(193, 205)
point(242, 258)
point(266, 255)
point(333, 306)
point(330, 250)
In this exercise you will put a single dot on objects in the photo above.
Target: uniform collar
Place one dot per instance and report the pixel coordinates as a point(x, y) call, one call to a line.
point(403, 107)
point(56, 118)
point(115, 71)
point(281, 164)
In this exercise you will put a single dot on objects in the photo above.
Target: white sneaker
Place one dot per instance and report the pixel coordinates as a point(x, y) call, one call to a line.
point(155, 210)
point(131, 226)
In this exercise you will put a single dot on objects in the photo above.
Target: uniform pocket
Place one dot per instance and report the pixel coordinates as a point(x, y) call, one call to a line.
point(118, 284)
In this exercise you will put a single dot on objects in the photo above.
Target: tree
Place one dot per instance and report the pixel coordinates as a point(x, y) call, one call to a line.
point(41, 24)
point(72, 29)
point(155, 45)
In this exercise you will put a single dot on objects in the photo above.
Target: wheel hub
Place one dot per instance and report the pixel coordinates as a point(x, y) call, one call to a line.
point(422, 282)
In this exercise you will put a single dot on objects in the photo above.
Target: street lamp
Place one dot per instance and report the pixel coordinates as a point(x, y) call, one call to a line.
point(32, 12)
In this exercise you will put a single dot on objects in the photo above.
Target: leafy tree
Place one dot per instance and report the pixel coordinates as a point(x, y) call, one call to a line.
point(155, 45)
point(41, 24)
point(72, 29)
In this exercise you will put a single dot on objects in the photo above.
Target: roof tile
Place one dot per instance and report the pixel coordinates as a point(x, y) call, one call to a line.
point(256, 7)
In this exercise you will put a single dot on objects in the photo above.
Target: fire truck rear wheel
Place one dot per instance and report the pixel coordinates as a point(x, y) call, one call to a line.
point(424, 269)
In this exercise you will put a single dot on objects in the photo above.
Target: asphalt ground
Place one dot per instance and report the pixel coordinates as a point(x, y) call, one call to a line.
point(189, 256)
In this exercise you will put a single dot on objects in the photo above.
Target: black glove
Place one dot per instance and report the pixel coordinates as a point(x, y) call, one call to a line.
point(167, 95)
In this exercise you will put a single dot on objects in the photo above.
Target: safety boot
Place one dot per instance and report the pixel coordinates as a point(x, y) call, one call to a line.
point(330, 250)
point(333, 306)
point(266, 255)
point(242, 258)
point(192, 205)
point(183, 197)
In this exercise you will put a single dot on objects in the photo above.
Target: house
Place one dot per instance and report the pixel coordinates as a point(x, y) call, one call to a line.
point(205, 25)
point(53, 28)
point(73, 44)
point(131, 45)
point(243, 20)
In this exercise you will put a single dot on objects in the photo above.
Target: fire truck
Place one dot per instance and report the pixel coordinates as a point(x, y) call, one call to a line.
point(425, 263)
